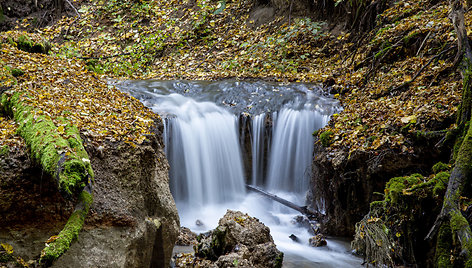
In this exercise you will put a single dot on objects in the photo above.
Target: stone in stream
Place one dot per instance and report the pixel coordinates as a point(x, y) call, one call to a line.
point(186, 237)
point(239, 240)
point(317, 241)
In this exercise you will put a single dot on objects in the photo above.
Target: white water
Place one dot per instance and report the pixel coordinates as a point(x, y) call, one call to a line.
point(203, 151)
point(258, 127)
point(292, 149)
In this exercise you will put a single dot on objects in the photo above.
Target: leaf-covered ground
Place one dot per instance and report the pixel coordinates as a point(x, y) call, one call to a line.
point(207, 40)
point(65, 88)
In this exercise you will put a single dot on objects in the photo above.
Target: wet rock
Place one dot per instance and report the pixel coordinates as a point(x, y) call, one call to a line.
point(186, 237)
point(302, 221)
point(133, 220)
point(317, 241)
point(294, 238)
point(343, 184)
point(239, 240)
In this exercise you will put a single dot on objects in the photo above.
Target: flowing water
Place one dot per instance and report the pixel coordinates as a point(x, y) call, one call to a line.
point(206, 153)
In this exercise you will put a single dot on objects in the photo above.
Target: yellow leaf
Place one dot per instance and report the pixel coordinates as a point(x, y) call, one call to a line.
point(7, 247)
point(52, 239)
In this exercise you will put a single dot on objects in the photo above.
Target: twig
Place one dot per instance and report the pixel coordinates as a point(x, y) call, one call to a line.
point(70, 4)
point(422, 44)
point(290, 13)
point(107, 57)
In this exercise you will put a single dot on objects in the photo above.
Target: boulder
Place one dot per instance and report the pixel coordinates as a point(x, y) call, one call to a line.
point(239, 241)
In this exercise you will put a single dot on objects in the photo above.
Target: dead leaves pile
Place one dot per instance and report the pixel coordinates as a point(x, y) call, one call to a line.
point(64, 88)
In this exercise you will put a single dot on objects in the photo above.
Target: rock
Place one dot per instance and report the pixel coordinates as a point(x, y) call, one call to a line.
point(294, 238)
point(343, 183)
point(186, 237)
point(239, 240)
point(302, 221)
point(317, 241)
point(133, 221)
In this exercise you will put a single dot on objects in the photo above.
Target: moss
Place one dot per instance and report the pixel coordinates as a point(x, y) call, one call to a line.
point(443, 247)
point(70, 232)
point(279, 260)
point(66, 160)
point(440, 183)
point(24, 43)
point(377, 205)
point(395, 186)
point(17, 72)
point(440, 166)
point(458, 221)
point(326, 138)
point(4, 150)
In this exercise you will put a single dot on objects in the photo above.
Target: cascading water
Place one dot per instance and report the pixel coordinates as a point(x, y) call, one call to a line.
point(203, 149)
point(258, 153)
point(292, 149)
point(204, 156)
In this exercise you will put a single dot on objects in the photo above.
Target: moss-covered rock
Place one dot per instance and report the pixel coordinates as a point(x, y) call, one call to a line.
point(58, 149)
point(393, 230)
point(61, 154)
point(26, 44)
point(395, 186)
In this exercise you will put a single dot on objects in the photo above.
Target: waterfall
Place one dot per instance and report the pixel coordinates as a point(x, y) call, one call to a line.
point(258, 138)
point(205, 155)
point(292, 149)
point(203, 151)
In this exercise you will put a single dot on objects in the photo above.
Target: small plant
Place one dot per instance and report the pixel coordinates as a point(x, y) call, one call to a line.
point(326, 138)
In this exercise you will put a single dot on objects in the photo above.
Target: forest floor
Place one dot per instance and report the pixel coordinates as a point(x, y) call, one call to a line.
point(394, 80)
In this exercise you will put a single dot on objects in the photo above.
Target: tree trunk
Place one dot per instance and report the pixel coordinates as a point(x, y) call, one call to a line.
point(59, 8)
point(461, 174)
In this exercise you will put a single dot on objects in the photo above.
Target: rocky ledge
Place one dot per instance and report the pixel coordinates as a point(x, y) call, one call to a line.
point(133, 221)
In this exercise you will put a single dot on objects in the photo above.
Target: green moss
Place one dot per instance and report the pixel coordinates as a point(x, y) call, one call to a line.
point(70, 232)
point(4, 150)
point(443, 247)
point(440, 183)
point(17, 72)
point(395, 186)
point(279, 260)
point(24, 43)
point(458, 221)
point(64, 159)
point(376, 205)
point(326, 138)
point(440, 166)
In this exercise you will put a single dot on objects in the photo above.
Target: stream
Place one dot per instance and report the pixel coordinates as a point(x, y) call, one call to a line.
point(221, 135)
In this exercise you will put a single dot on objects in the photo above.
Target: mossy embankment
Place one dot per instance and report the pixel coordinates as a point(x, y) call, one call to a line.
point(48, 100)
point(61, 154)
